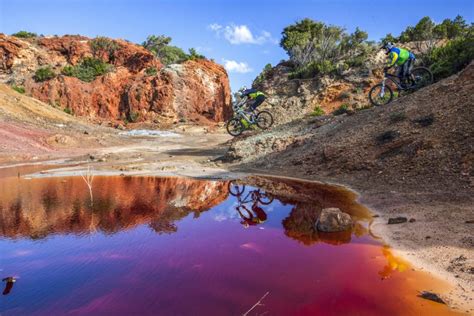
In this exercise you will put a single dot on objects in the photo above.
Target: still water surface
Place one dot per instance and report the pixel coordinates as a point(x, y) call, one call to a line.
point(176, 246)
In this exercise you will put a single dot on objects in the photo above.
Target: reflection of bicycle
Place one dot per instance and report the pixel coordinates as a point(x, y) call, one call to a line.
point(255, 214)
point(254, 195)
point(382, 93)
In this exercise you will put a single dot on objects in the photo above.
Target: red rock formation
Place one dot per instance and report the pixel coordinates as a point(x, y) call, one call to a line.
point(194, 90)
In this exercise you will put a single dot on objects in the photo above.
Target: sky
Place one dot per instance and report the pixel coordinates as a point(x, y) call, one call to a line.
point(241, 35)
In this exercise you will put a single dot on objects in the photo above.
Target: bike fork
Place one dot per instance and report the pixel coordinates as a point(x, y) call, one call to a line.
point(382, 91)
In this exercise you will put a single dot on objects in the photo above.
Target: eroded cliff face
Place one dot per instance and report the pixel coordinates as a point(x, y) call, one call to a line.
point(193, 91)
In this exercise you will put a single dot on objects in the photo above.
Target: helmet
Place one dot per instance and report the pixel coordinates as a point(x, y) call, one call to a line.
point(388, 46)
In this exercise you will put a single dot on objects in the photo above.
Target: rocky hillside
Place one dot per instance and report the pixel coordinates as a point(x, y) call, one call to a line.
point(138, 87)
point(421, 139)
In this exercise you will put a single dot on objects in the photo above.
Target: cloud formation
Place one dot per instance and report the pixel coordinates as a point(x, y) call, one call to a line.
point(235, 66)
point(241, 34)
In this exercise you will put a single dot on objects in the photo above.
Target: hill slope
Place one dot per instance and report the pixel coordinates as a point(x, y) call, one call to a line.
point(412, 158)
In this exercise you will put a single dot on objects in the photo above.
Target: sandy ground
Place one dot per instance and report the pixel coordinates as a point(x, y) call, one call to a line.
point(435, 242)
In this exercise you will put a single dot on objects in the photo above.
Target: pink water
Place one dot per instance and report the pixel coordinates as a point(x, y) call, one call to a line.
point(174, 246)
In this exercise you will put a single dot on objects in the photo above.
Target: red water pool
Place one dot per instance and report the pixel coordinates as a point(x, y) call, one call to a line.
point(175, 246)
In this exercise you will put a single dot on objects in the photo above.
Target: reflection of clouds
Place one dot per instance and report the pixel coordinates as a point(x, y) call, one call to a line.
point(21, 253)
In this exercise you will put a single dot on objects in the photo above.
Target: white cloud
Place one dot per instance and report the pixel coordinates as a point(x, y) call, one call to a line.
point(241, 34)
point(235, 66)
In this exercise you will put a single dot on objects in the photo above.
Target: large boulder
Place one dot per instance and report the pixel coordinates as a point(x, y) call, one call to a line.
point(333, 220)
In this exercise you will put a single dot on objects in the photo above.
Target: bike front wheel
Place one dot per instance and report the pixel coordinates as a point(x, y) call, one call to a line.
point(235, 127)
point(380, 95)
point(264, 120)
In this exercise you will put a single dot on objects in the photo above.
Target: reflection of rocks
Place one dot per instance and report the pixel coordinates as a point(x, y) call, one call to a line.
point(310, 199)
point(300, 225)
point(40, 207)
point(333, 220)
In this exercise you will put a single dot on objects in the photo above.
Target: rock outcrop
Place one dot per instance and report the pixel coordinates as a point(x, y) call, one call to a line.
point(196, 90)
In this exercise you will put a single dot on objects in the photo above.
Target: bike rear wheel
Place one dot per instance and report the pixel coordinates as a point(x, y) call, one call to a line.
point(235, 127)
point(380, 95)
point(421, 77)
point(264, 120)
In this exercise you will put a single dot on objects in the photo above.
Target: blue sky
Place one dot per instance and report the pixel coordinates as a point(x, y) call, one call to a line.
point(242, 35)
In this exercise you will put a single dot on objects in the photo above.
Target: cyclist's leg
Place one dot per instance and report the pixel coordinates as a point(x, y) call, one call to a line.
point(258, 101)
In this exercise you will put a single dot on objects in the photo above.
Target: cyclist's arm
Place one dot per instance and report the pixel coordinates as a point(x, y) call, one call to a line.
point(392, 59)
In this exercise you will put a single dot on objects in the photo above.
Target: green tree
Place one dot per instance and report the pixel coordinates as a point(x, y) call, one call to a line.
point(454, 56)
point(88, 69)
point(193, 54)
point(166, 53)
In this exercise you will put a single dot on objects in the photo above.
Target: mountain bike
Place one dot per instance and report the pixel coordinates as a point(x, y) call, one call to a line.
point(382, 93)
point(243, 120)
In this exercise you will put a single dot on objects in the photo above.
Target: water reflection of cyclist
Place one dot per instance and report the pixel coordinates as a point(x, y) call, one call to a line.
point(256, 215)
point(251, 218)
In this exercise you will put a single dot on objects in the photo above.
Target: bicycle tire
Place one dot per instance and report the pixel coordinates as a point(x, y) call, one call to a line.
point(235, 127)
point(262, 122)
point(267, 201)
point(234, 189)
point(387, 89)
point(422, 72)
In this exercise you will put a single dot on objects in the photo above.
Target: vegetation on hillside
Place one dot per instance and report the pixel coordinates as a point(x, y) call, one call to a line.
point(24, 34)
point(88, 69)
point(446, 47)
point(316, 48)
point(166, 53)
point(44, 73)
point(103, 47)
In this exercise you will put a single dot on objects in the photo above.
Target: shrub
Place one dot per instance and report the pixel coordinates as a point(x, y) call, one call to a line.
point(343, 108)
point(263, 75)
point(194, 55)
point(167, 54)
point(68, 111)
point(318, 111)
point(133, 117)
point(103, 46)
point(151, 71)
point(453, 57)
point(19, 89)
point(88, 69)
point(24, 34)
point(313, 69)
point(44, 73)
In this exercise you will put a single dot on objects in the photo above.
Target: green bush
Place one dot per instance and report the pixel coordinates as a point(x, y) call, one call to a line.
point(44, 73)
point(103, 46)
point(19, 89)
point(24, 34)
point(68, 111)
point(318, 111)
point(88, 69)
point(343, 108)
point(313, 69)
point(263, 75)
point(453, 57)
point(168, 54)
point(133, 117)
point(194, 55)
point(151, 71)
